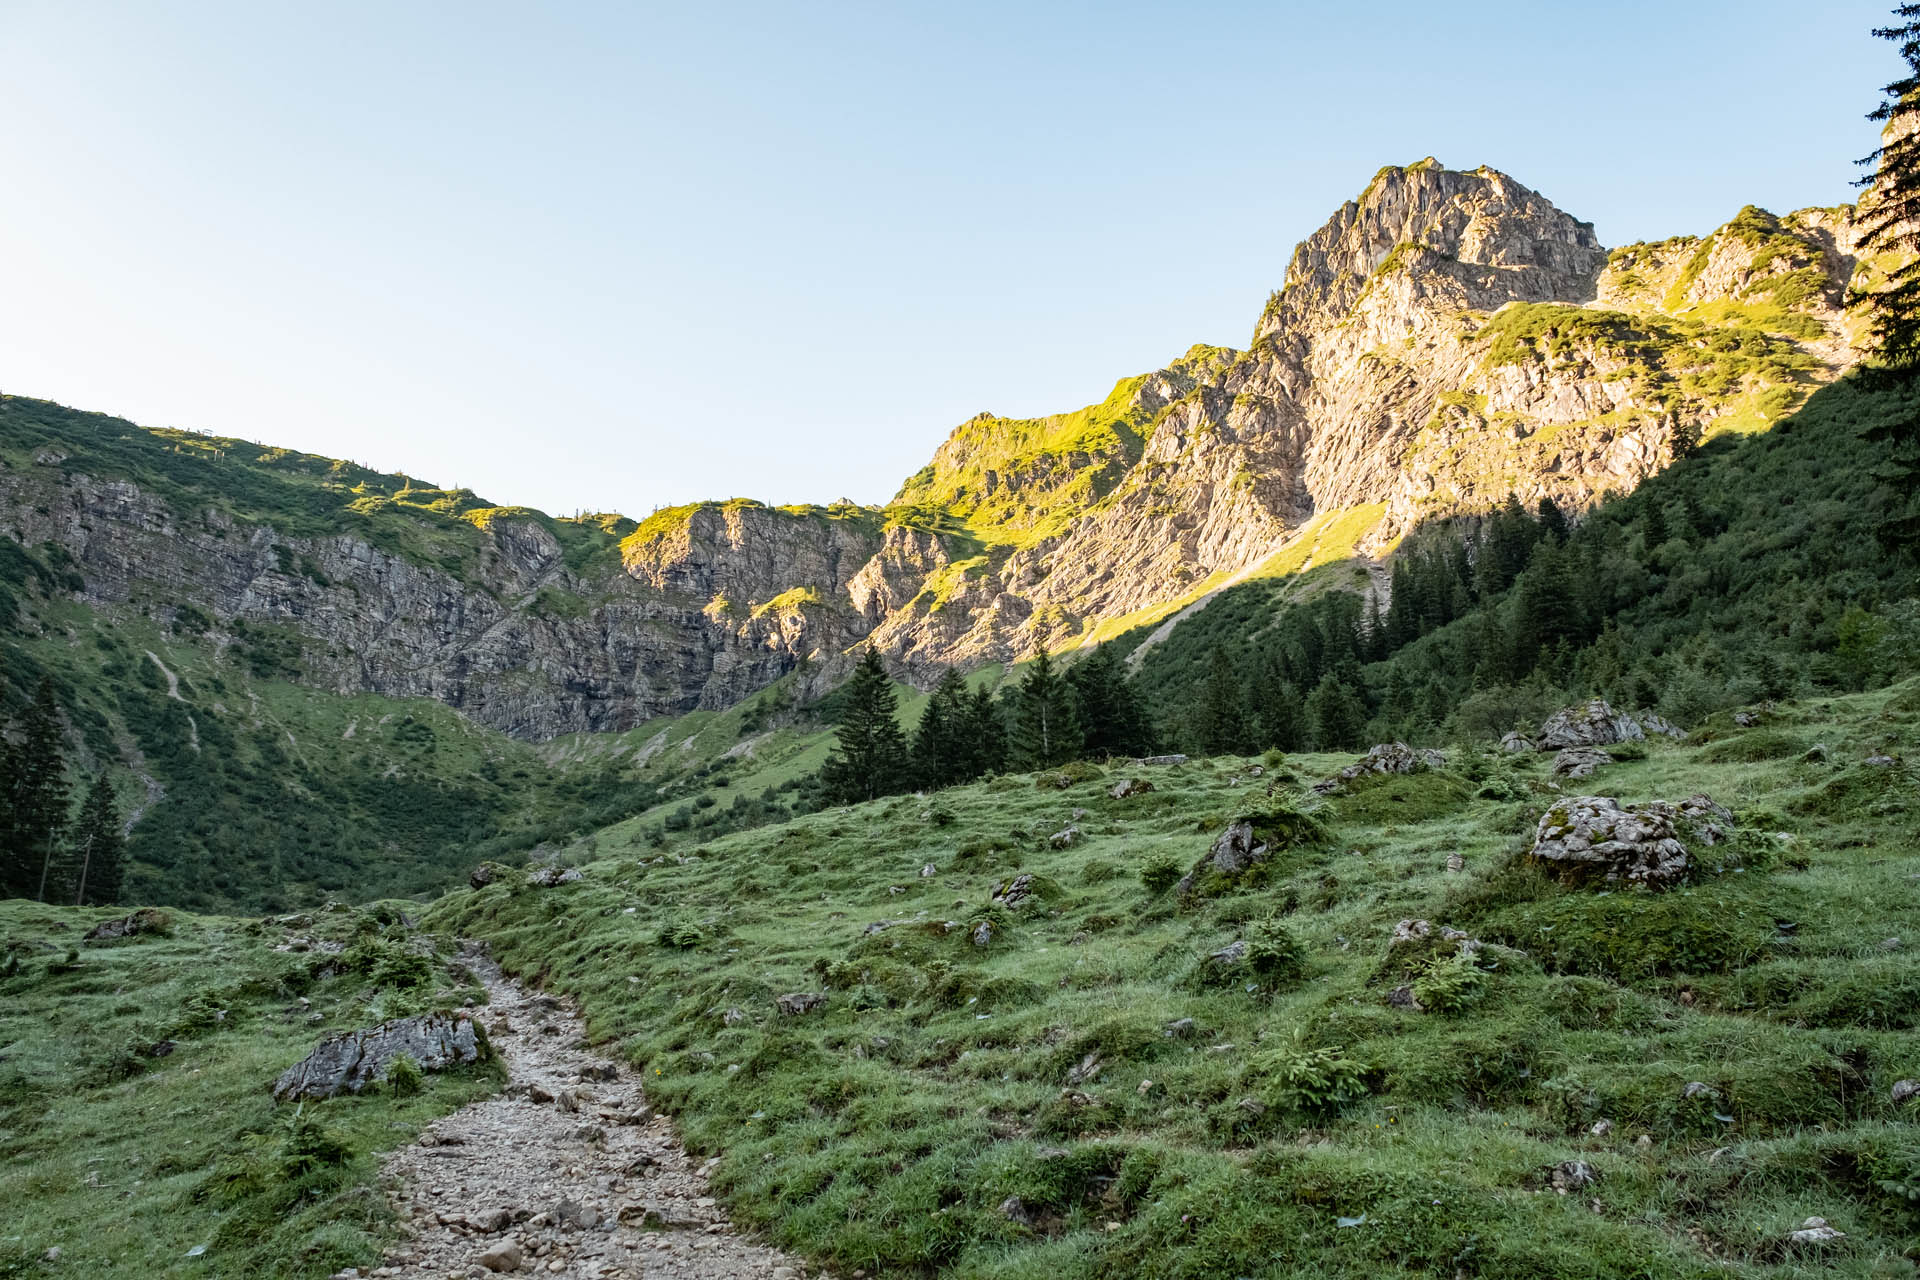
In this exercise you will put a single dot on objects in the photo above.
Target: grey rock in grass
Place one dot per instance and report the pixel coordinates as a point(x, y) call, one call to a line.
point(1228, 956)
point(1597, 724)
point(1385, 758)
point(1881, 761)
point(1129, 787)
point(982, 933)
point(1065, 838)
point(1815, 1231)
point(1580, 762)
point(1236, 849)
point(1572, 1175)
point(1160, 760)
point(1016, 890)
point(549, 877)
point(354, 1060)
point(1515, 743)
point(929, 871)
point(799, 1002)
point(145, 920)
point(1180, 1028)
point(1905, 1091)
point(1596, 838)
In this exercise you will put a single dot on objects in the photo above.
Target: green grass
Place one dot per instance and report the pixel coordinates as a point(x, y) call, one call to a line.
point(888, 1132)
point(125, 1161)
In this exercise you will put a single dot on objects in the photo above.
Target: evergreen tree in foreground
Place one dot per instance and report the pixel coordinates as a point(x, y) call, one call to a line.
point(1892, 213)
point(36, 803)
point(1046, 731)
point(1336, 717)
point(98, 848)
point(873, 760)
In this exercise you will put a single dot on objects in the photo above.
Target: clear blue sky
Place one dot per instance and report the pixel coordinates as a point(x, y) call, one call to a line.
point(609, 256)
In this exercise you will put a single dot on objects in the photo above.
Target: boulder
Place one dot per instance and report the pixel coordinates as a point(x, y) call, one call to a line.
point(1515, 742)
point(1579, 762)
point(799, 1002)
point(1905, 1091)
point(1065, 838)
point(1236, 849)
point(983, 933)
point(505, 1256)
point(1017, 890)
point(1596, 838)
point(1160, 760)
point(1573, 1175)
point(1385, 758)
point(1597, 724)
point(354, 1060)
point(483, 875)
point(1815, 1231)
point(548, 877)
point(145, 920)
point(1129, 787)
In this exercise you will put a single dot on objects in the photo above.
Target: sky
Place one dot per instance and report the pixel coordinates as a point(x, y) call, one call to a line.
point(615, 256)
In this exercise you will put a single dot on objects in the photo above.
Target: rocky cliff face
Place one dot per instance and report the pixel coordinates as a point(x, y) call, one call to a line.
point(1446, 338)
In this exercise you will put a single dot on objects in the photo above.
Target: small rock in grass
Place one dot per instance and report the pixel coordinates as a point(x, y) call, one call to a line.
point(800, 1002)
point(1905, 1091)
point(1571, 1175)
point(1816, 1231)
point(1601, 1128)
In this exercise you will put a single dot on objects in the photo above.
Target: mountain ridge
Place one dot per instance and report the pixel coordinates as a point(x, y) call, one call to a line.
point(1443, 339)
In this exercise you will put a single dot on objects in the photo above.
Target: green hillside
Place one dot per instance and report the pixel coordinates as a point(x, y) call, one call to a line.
point(1298, 1124)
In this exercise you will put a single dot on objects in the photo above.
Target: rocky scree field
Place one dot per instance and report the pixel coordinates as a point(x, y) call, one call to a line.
point(991, 1032)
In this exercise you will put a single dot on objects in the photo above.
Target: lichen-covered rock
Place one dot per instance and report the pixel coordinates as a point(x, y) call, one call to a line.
point(1386, 758)
point(1065, 838)
point(549, 877)
point(1129, 787)
point(145, 920)
point(1594, 837)
point(355, 1060)
point(1593, 724)
point(1516, 742)
point(1236, 848)
point(799, 1002)
point(1579, 762)
point(1015, 891)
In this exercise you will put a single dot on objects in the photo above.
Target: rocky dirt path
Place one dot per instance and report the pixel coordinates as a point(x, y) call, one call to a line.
point(566, 1172)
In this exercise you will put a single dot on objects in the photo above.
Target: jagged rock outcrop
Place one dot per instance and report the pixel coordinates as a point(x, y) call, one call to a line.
point(1445, 338)
point(357, 1060)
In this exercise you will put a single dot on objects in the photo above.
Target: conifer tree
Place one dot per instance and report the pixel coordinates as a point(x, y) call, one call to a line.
point(1654, 524)
point(943, 756)
point(1336, 717)
point(1113, 720)
point(1282, 716)
point(36, 784)
point(1891, 211)
point(1221, 720)
point(873, 760)
point(98, 848)
point(1553, 521)
point(1045, 729)
point(986, 735)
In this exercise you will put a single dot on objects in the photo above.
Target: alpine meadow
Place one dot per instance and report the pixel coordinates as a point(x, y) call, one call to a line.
point(1432, 792)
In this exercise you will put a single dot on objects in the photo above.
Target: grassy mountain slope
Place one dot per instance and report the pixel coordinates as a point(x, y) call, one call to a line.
point(125, 1159)
point(1299, 1125)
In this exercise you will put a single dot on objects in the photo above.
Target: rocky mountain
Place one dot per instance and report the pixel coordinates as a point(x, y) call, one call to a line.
point(1446, 338)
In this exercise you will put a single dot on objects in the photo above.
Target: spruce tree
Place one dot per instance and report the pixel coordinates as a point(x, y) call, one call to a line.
point(98, 848)
point(873, 760)
point(1336, 717)
point(1553, 521)
point(985, 736)
point(37, 800)
point(1282, 716)
point(941, 752)
point(1891, 211)
point(1221, 720)
point(1045, 730)
point(1113, 720)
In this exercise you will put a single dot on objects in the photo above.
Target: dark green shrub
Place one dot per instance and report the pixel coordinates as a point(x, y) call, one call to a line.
point(1160, 874)
point(1633, 934)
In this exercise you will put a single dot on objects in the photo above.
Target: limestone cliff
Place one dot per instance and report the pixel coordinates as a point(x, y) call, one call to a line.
point(1445, 338)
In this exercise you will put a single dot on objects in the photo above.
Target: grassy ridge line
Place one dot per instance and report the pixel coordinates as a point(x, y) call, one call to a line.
point(126, 1161)
point(889, 1132)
